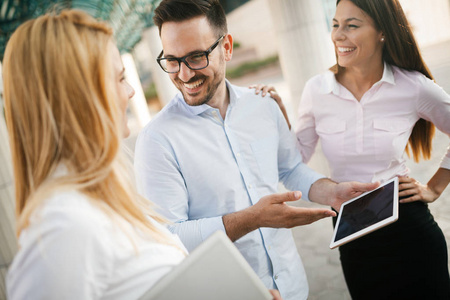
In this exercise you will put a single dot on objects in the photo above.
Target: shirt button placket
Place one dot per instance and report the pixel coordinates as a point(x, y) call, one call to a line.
point(359, 129)
point(216, 116)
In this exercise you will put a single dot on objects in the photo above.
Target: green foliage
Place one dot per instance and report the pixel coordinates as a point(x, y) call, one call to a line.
point(128, 18)
point(150, 92)
point(252, 66)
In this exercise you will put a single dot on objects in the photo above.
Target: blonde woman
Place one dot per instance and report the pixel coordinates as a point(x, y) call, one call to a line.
point(83, 231)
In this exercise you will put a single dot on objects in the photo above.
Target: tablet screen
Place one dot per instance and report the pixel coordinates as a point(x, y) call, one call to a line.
point(366, 213)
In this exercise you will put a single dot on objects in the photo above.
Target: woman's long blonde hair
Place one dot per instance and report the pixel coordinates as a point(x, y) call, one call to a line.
point(61, 109)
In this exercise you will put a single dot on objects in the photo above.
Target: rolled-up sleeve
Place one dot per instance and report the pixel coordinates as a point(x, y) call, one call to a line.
point(305, 130)
point(159, 179)
point(293, 172)
point(433, 104)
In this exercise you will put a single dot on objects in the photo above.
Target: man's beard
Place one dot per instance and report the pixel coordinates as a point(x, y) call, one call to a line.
point(210, 92)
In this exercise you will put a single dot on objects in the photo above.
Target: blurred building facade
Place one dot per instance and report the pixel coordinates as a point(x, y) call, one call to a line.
point(299, 33)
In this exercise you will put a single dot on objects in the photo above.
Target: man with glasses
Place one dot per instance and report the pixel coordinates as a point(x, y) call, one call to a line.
point(196, 61)
point(212, 158)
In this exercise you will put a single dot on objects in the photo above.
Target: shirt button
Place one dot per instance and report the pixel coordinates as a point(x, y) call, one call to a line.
point(238, 155)
point(276, 277)
point(249, 186)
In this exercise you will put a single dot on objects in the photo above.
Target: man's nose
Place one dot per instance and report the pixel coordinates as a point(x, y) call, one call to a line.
point(185, 74)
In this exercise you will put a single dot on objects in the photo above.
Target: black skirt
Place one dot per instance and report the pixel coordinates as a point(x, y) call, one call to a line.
point(404, 260)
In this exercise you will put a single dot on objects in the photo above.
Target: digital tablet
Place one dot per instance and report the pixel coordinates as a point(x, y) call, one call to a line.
point(214, 270)
point(366, 213)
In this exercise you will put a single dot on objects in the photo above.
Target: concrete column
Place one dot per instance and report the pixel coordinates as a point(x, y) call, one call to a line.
point(8, 243)
point(305, 50)
point(305, 47)
point(138, 104)
point(164, 86)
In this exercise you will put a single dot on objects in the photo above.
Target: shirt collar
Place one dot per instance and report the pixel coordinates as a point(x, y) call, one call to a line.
point(331, 85)
point(388, 74)
point(199, 109)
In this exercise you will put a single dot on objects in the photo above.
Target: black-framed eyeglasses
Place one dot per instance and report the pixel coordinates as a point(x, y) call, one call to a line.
point(194, 61)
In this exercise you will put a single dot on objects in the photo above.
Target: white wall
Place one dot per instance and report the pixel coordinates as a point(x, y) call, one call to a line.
point(430, 20)
point(251, 24)
point(8, 243)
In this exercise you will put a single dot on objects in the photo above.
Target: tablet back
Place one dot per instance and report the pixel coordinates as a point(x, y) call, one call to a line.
point(214, 270)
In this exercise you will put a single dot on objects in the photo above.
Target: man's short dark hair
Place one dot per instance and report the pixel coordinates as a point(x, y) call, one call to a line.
point(182, 10)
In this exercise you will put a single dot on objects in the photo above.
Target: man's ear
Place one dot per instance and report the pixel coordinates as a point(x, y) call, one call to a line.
point(228, 46)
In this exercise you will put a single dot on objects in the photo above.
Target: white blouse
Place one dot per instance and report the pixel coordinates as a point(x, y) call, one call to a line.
point(73, 250)
point(365, 140)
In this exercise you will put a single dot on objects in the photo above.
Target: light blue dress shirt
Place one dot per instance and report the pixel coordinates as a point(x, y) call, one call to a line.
point(198, 167)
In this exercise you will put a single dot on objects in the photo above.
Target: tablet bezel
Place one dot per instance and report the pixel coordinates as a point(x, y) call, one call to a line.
point(373, 227)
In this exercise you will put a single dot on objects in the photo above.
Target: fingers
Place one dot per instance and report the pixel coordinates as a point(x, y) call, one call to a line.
point(407, 183)
point(274, 95)
point(268, 89)
point(362, 187)
point(258, 87)
point(408, 189)
point(408, 186)
point(370, 186)
point(272, 211)
point(284, 197)
point(305, 216)
point(410, 199)
point(405, 179)
point(264, 89)
point(275, 294)
point(411, 190)
point(324, 213)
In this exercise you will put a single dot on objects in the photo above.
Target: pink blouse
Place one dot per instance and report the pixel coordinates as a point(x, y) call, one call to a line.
point(365, 140)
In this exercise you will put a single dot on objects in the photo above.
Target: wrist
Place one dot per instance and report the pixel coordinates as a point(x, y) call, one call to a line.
point(324, 191)
point(436, 193)
point(253, 218)
point(240, 223)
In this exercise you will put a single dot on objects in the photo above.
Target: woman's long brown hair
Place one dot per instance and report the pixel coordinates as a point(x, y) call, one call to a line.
point(401, 50)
